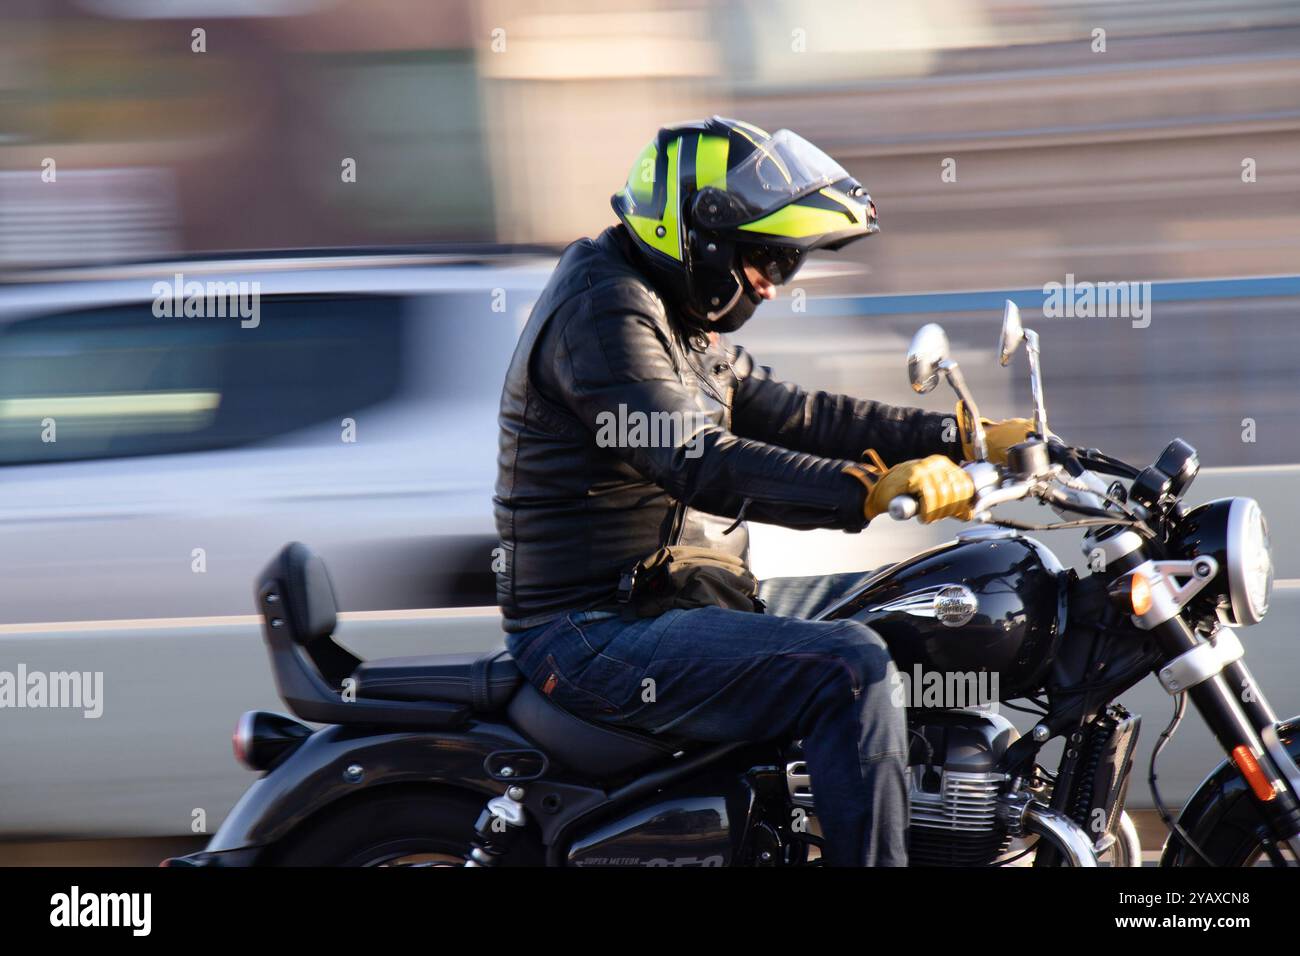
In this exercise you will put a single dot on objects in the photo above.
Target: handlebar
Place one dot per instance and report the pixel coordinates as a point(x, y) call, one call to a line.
point(904, 507)
point(1067, 485)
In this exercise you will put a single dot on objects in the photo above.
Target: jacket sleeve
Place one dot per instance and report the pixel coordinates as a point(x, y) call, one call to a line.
point(822, 423)
point(616, 365)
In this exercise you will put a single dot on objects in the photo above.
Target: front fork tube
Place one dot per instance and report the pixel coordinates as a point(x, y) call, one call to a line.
point(1238, 715)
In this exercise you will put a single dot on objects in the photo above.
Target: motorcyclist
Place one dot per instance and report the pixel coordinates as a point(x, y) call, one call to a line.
point(714, 216)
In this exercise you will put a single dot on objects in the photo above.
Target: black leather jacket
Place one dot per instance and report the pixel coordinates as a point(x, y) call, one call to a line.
point(602, 351)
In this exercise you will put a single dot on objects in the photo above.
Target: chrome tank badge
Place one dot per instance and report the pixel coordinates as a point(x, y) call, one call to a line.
point(950, 604)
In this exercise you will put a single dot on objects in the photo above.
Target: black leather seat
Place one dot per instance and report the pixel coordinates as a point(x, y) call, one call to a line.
point(488, 683)
point(598, 751)
point(484, 683)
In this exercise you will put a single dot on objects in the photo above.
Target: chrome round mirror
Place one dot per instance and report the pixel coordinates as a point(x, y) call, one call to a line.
point(929, 348)
point(1013, 333)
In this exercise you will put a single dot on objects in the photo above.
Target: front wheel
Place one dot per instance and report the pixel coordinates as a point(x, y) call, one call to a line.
point(403, 828)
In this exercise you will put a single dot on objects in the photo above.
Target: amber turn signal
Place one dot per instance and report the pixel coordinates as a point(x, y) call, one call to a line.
point(1140, 593)
point(1254, 773)
point(1131, 593)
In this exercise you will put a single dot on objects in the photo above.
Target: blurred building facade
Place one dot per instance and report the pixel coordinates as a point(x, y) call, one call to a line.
point(1007, 142)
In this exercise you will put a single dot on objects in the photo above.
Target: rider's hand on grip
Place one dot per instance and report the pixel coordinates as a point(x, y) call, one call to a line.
point(999, 435)
point(940, 487)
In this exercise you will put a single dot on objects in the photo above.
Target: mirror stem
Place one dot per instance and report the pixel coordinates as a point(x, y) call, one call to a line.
point(958, 383)
point(1036, 383)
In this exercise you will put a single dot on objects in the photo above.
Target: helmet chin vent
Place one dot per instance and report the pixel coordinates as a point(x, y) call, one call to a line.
point(720, 311)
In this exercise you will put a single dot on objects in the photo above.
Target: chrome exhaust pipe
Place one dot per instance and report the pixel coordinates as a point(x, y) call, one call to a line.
point(1064, 834)
point(1130, 847)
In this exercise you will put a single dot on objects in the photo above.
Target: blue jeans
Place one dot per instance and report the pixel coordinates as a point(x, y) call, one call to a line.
point(716, 675)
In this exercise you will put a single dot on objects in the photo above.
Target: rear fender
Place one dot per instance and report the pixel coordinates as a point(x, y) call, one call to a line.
point(339, 762)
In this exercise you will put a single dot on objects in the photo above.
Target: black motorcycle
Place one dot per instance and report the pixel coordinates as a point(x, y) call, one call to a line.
point(456, 760)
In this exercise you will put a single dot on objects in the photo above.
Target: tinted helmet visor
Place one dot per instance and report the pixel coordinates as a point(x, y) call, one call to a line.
point(777, 263)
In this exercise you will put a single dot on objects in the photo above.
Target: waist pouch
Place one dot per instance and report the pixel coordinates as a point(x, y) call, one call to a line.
point(682, 576)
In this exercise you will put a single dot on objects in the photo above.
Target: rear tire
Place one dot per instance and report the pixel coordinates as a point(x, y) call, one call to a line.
point(401, 827)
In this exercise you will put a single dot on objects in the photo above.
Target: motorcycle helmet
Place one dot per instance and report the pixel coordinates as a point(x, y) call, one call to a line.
point(704, 197)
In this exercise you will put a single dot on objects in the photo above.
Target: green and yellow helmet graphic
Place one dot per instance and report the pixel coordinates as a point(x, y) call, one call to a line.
point(732, 180)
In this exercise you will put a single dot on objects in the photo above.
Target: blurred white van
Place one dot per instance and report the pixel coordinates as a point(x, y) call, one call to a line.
point(152, 464)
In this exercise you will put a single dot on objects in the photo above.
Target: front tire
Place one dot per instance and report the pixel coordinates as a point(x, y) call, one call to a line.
point(399, 828)
point(1240, 838)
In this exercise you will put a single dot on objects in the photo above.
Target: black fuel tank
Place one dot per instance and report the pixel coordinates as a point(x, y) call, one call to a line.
point(991, 603)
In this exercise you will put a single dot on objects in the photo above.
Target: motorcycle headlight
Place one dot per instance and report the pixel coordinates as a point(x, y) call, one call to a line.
point(1233, 531)
point(1250, 561)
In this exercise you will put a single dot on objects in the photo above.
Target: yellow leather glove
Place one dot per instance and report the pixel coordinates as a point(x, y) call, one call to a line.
point(999, 435)
point(941, 488)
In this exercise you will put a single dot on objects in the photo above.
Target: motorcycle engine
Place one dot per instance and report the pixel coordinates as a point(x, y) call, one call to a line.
point(954, 787)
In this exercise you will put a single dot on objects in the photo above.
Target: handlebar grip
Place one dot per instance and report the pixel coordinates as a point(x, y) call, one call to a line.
point(902, 507)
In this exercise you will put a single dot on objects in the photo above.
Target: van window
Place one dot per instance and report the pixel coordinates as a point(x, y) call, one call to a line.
point(117, 381)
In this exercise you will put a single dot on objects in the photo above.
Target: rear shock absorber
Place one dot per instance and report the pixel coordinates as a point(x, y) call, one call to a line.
point(497, 828)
